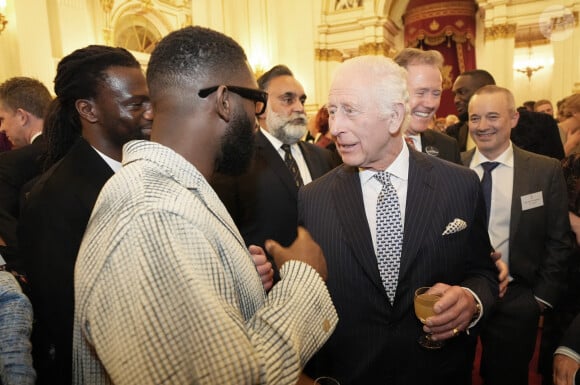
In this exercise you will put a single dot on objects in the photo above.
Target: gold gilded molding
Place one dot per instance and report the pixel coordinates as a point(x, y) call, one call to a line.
point(502, 31)
point(434, 26)
point(323, 54)
point(448, 8)
point(373, 49)
point(107, 5)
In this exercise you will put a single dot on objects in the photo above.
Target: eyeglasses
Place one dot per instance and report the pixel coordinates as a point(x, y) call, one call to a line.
point(259, 97)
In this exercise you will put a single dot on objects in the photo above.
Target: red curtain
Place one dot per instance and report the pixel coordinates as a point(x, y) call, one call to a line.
point(448, 27)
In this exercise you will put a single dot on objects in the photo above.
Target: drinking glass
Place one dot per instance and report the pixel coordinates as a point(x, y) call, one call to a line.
point(326, 381)
point(424, 309)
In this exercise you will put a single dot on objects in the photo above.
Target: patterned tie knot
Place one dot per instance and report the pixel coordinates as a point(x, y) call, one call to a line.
point(489, 166)
point(384, 177)
point(286, 148)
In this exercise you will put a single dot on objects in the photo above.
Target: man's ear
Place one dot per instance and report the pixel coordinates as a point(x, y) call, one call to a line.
point(515, 118)
point(397, 118)
point(86, 110)
point(224, 103)
point(22, 116)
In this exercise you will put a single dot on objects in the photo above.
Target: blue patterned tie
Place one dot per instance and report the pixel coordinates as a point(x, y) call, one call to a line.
point(486, 183)
point(292, 165)
point(389, 235)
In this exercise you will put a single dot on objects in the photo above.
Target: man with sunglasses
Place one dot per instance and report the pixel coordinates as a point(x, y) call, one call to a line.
point(263, 200)
point(165, 288)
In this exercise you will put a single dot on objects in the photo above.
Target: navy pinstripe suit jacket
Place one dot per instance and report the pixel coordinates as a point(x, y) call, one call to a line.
point(375, 342)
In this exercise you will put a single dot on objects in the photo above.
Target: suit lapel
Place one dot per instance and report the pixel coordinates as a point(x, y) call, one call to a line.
point(312, 161)
point(266, 150)
point(354, 220)
point(520, 183)
point(467, 156)
point(426, 140)
point(421, 204)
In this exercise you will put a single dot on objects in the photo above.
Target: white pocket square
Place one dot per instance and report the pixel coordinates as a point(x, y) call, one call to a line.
point(455, 226)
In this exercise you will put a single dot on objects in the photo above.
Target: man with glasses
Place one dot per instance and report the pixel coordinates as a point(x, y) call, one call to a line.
point(165, 288)
point(263, 200)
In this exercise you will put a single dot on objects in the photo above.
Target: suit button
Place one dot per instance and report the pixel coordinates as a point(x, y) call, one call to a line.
point(326, 325)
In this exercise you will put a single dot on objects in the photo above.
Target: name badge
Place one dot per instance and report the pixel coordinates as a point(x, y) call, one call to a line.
point(531, 201)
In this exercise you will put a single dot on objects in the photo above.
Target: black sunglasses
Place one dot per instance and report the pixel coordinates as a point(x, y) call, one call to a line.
point(259, 97)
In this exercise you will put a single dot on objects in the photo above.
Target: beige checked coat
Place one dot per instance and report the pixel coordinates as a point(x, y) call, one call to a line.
point(166, 292)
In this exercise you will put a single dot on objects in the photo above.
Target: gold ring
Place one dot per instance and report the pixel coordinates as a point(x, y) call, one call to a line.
point(455, 332)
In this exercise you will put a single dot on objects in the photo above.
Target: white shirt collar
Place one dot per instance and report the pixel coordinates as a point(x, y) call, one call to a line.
point(506, 158)
point(399, 168)
point(35, 136)
point(277, 143)
point(115, 165)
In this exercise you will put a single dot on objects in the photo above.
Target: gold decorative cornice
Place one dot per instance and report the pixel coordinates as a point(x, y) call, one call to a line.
point(373, 49)
point(107, 5)
point(324, 54)
point(502, 31)
point(434, 25)
point(430, 11)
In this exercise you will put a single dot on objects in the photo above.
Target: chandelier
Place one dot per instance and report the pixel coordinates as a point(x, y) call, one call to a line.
point(531, 65)
point(529, 68)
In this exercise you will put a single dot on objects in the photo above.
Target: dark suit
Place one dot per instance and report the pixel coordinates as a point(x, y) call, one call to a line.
point(571, 338)
point(16, 168)
point(538, 133)
point(459, 131)
point(263, 201)
point(535, 132)
point(440, 145)
point(51, 227)
point(375, 342)
point(539, 252)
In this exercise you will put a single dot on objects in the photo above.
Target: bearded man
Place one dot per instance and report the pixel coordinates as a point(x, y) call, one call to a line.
point(263, 200)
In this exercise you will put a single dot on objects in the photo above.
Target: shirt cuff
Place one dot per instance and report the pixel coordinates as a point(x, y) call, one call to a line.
point(544, 302)
point(566, 351)
point(475, 321)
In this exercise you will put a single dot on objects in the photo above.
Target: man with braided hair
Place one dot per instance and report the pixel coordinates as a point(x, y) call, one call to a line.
point(102, 102)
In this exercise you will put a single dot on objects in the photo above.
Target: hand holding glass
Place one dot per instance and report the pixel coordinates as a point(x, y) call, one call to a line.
point(424, 309)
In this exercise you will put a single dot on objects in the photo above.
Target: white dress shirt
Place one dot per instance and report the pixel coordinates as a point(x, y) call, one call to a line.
point(416, 141)
point(371, 189)
point(501, 198)
point(114, 164)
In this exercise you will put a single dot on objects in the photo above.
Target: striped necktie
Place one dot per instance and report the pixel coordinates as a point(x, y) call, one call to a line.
point(292, 165)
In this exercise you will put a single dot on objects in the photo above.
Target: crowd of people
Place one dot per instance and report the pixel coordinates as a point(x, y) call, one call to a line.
point(191, 226)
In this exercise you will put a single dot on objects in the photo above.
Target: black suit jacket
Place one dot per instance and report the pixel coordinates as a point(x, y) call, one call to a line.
point(540, 246)
point(571, 338)
point(538, 133)
point(50, 231)
point(263, 200)
point(440, 145)
point(375, 342)
point(459, 131)
point(16, 168)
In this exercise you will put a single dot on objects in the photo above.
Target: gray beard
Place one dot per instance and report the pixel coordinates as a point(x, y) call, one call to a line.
point(289, 133)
